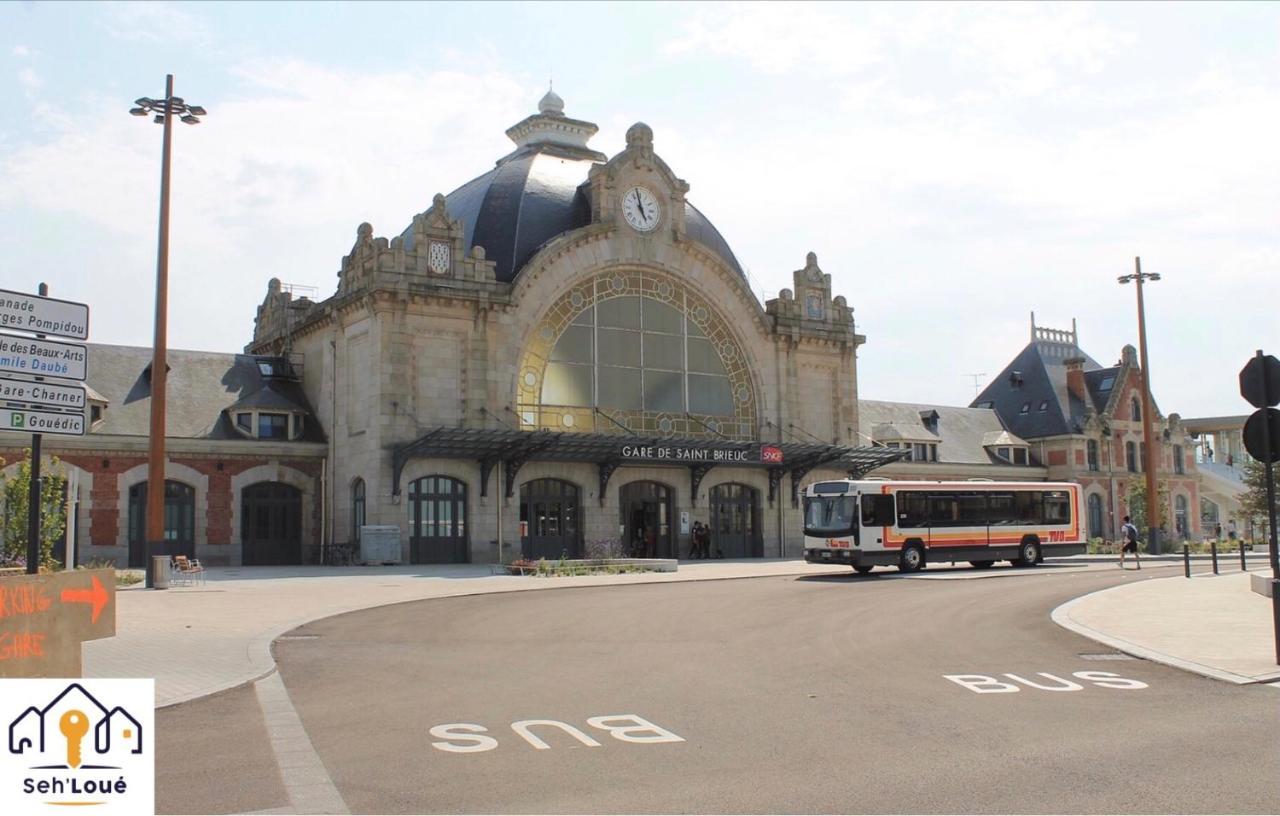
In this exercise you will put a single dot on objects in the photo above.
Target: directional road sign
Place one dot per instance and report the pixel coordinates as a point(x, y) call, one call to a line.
point(43, 358)
point(1260, 381)
point(43, 315)
point(41, 422)
point(40, 395)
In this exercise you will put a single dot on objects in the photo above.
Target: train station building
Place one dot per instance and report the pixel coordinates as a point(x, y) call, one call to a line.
point(561, 357)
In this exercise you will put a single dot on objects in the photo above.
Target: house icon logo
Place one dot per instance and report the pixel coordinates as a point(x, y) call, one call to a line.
point(82, 743)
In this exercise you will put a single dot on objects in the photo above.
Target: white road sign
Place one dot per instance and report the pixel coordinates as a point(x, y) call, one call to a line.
point(43, 315)
point(43, 358)
point(41, 422)
point(41, 394)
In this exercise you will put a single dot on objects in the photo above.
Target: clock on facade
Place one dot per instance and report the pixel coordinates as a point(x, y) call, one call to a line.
point(641, 209)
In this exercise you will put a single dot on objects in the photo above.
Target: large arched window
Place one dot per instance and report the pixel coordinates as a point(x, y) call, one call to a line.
point(637, 354)
point(179, 520)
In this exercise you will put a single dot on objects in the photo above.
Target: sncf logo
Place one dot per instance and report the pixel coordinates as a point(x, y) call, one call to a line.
point(771, 455)
point(79, 743)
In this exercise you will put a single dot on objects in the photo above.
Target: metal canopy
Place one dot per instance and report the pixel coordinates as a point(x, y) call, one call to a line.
point(513, 448)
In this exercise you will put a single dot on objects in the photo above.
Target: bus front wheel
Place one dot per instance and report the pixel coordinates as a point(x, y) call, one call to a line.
point(863, 569)
point(911, 559)
point(1028, 553)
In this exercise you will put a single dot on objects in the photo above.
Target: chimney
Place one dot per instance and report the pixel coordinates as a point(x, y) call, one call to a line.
point(1075, 378)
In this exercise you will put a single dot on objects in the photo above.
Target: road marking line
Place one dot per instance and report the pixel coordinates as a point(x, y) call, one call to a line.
point(307, 783)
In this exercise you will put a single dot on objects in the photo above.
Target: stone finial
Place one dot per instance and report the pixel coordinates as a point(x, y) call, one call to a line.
point(437, 200)
point(273, 286)
point(364, 233)
point(640, 135)
point(551, 104)
point(786, 294)
point(477, 252)
point(1129, 355)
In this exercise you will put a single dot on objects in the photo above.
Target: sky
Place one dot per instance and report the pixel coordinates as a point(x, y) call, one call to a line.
point(955, 167)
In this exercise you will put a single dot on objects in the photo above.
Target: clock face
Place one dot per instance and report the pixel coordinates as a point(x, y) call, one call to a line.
point(641, 209)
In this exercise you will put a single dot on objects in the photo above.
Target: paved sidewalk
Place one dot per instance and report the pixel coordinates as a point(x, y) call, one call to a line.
point(1213, 625)
point(203, 639)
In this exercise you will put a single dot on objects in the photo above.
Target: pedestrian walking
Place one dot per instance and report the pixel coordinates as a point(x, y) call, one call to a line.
point(1129, 537)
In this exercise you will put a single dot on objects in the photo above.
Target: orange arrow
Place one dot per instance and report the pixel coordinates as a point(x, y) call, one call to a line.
point(96, 596)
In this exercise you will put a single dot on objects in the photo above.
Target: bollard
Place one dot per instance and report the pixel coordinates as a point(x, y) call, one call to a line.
point(1243, 568)
point(1213, 550)
point(1186, 560)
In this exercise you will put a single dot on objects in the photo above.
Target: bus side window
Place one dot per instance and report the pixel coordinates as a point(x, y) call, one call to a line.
point(1027, 507)
point(877, 511)
point(1057, 510)
point(1000, 506)
point(913, 509)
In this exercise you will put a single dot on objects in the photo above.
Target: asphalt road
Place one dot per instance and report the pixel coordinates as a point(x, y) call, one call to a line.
point(787, 695)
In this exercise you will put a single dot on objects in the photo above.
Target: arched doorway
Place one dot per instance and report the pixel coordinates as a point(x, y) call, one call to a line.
point(1095, 516)
point(735, 521)
point(645, 521)
point(270, 524)
point(549, 519)
point(179, 521)
point(437, 521)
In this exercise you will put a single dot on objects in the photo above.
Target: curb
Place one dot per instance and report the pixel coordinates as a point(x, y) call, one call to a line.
point(1062, 616)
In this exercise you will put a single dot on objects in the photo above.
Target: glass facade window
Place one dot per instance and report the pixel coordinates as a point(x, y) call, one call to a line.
point(1092, 446)
point(636, 354)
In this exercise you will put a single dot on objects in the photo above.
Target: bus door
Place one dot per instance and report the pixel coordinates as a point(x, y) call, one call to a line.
point(876, 513)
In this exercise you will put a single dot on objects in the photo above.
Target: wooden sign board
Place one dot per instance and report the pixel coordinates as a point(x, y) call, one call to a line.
point(45, 618)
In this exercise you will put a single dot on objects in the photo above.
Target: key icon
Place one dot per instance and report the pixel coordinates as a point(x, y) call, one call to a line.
point(74, 725)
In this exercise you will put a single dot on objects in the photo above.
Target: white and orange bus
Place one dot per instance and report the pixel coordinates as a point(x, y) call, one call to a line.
point(871, 523)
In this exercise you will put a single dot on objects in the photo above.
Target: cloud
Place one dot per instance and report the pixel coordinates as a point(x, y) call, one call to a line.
point(29, 80)
point(152, 22)
point(23, 51)
point(270, 184)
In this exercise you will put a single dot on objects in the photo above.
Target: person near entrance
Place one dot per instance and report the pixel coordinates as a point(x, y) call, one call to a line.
point(1129, 538)
point(699, 542)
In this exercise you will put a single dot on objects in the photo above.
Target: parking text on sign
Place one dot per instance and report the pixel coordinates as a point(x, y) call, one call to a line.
point(41, 422)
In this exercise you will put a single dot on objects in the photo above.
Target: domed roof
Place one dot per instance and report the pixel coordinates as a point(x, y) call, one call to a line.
point(534, 195)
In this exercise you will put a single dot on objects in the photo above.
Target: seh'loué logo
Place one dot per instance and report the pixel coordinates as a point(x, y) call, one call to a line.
point(85, 743)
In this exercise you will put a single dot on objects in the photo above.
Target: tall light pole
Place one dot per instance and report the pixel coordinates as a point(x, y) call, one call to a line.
point(1148, 433)
point(164, 111)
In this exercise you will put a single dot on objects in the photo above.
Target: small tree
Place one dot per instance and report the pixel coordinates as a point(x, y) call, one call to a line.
point(53, 511)
point(1136, 499)
point(1253, 504)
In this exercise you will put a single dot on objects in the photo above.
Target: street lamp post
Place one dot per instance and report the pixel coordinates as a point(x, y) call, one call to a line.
point(1148, 433)
point(164, 110)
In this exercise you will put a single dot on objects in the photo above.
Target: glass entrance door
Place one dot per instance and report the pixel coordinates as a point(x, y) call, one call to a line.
point(549, 521)
point(735, 527)
point(179, 521)
point(271, 524)
point(437, 521)
point(646, 520)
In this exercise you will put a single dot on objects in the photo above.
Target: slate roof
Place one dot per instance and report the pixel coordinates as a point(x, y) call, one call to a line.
point(960, 430)
point(1041, 379)
point(201, 384)
point(533, 195)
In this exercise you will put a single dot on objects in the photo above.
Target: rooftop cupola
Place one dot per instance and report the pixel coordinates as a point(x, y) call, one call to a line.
point(550, 127)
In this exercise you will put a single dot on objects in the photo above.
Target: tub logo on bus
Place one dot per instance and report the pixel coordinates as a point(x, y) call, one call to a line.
point(771, 455)
point(82, 743)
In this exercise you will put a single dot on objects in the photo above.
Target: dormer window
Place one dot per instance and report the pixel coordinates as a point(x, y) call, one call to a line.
point(274, 425)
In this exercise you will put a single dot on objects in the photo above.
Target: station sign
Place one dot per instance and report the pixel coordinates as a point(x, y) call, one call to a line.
point(746, 454)
point(43, 315)
point(43, 358)
point(41, 422)
point(30, 394)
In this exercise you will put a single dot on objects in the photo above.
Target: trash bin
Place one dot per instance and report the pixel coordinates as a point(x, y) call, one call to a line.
point(160, 571)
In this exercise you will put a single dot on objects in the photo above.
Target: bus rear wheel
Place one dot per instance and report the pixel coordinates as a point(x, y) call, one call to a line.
point(911, 559)
point(1028, 553)
point(982, 564)
point(863, 569)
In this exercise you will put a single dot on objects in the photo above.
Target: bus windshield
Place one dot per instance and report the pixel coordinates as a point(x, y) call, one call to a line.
point(829, 515)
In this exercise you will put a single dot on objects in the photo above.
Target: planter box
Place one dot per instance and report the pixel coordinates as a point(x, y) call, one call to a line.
point(1261, 584)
